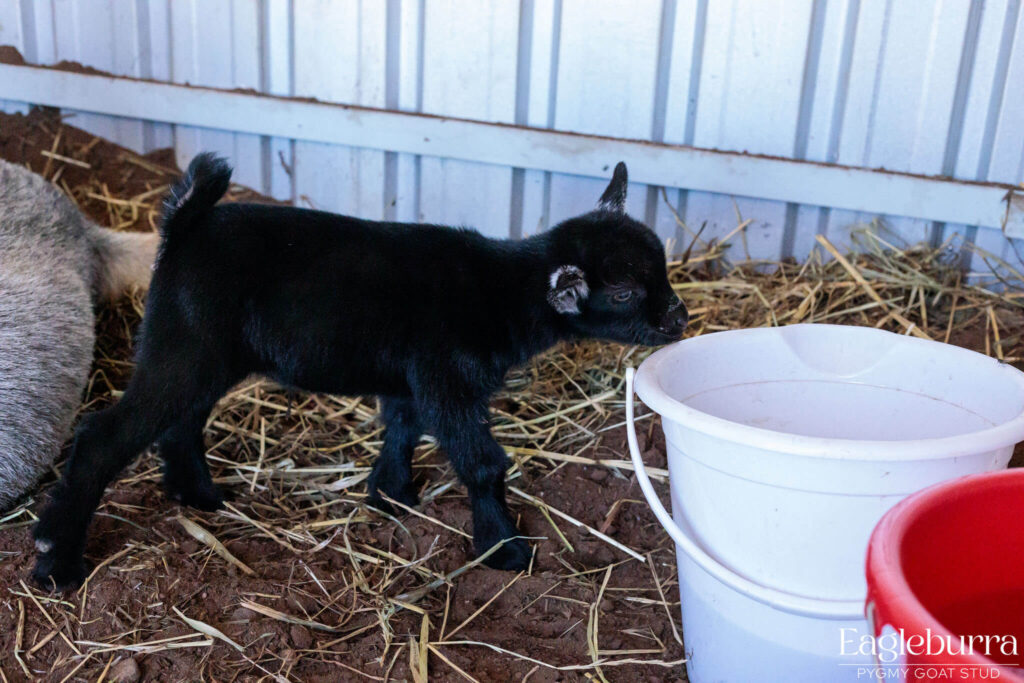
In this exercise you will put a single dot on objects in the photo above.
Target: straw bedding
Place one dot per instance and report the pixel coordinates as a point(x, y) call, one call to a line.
point(298, 580)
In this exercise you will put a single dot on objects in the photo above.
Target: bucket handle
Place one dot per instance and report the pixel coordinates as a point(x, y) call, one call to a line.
point(796, 604)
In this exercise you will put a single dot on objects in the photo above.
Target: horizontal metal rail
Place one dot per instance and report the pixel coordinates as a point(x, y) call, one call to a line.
point(873, 191)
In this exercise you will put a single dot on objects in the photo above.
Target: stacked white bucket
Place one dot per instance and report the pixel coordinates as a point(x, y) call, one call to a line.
point(785, 447)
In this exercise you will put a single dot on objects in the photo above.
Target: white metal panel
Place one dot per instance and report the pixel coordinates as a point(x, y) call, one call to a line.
point(1007, 162)
point(865, 36)
point(187, 29)
point(39, 31)
point(76, 24)
point(154, 61)
point(984, 87)
point(407, 48)
point(217, 44)
point(604, 91)
point(826, 102)
point(339, 57)
point(278, 153)
point(683, 60)
point(540, 67)
point(924, 86)
point(685, 63)
point(245, 71)
point(1007, 148)
point(12, 33)
point(469, 69)
point(684, 70)
point(928, 133)
point(749, 43)
point(987, 76)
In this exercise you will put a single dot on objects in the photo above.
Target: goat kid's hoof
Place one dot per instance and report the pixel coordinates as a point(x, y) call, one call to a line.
point(206, 498)
point(56, 572)
point(512, 556)
point(407, 496)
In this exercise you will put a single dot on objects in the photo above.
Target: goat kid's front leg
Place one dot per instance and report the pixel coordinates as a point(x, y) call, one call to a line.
point(392, 471)
point(465, 435)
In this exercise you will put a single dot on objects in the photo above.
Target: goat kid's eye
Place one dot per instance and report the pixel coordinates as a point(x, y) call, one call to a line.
point(622, 297)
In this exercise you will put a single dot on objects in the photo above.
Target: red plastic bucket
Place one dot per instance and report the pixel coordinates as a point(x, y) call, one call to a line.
point(945, 572)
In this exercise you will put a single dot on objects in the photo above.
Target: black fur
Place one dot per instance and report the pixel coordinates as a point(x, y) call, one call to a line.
point(429, 318)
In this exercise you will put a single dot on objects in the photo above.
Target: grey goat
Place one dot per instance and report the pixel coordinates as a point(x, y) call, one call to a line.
point(55, 266)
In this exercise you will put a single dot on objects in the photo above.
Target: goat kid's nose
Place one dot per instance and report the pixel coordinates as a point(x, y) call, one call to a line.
point(675, 318)
point(679, 312)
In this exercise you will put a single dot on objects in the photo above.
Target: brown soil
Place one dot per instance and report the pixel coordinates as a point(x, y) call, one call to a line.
point(155, 567)
point(543, 615)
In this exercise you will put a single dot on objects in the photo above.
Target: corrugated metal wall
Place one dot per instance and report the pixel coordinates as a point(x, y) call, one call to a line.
point(925, 86)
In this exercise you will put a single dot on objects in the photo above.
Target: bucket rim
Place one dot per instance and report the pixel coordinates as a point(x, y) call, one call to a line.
point(890, 594)
point(651, 392)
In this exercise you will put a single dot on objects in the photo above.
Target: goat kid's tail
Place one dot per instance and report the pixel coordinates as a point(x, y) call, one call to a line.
point(203, 184)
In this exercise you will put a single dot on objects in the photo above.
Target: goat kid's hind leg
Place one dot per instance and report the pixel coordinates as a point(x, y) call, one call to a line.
point(104, 444)
point(392, 471)
point(186, 474)
point(160, 393)
point(481, 463)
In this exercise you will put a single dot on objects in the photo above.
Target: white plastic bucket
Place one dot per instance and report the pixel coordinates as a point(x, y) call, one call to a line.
point(785, 447)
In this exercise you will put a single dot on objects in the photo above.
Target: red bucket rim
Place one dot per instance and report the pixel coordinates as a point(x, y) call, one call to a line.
point(888, 589)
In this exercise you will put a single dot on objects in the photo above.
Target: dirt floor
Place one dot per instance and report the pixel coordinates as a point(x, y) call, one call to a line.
point(298, 580)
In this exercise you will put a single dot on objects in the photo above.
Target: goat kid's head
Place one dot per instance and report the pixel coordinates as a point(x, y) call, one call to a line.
point(611, 281)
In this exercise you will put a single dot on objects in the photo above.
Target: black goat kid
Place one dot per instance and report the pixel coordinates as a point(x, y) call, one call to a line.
point(429, 318)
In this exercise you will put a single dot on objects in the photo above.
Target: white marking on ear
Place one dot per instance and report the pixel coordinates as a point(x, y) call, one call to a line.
point(568, 289)
point(559, 272)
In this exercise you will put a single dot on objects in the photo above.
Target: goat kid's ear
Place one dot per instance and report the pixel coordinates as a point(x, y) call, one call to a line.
point(568, 287)
point(614, 197)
